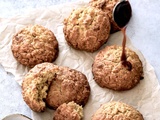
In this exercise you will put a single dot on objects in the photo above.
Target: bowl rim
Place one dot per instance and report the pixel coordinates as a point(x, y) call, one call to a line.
point(16, 114)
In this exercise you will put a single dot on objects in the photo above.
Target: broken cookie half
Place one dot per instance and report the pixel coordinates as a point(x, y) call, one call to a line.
point(44, 77)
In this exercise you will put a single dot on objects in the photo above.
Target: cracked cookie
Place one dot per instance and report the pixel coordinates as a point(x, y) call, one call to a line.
point(117, 111)
point(107, 6)
point(68, 111)
point(109, 72)
point(33, 45)
point(68, 85)
point(87, 28)
point(35, 85)
point(52, 85)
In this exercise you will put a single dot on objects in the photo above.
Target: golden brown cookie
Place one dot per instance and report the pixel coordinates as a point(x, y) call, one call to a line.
point(35, 85)
point(107, 6)
point(33, 45)
point(117, 111)
point(87, 28)
point(68, 85)
point(109, 72)
point(68, 111)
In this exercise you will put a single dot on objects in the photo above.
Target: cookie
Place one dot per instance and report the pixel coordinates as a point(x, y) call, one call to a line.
point(68, 111)
point(109, 72)
point(87, 29)
point(117, 111)
point(35, 85)
point(68, 85)
point(107, 6)
point(33, 45)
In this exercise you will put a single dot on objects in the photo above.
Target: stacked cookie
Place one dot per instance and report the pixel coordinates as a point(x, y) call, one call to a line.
point(50, 85)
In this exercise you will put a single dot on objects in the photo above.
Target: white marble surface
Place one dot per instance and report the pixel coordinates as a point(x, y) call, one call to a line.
point(143, 30)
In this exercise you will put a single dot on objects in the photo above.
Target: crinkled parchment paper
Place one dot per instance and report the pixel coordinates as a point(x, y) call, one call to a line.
point(145, 96)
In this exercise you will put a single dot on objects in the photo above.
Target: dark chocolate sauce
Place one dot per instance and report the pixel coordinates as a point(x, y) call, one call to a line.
point(126, 63)
point(122, 14)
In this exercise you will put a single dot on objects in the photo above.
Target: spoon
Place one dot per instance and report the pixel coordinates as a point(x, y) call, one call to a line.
point(122, 13)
